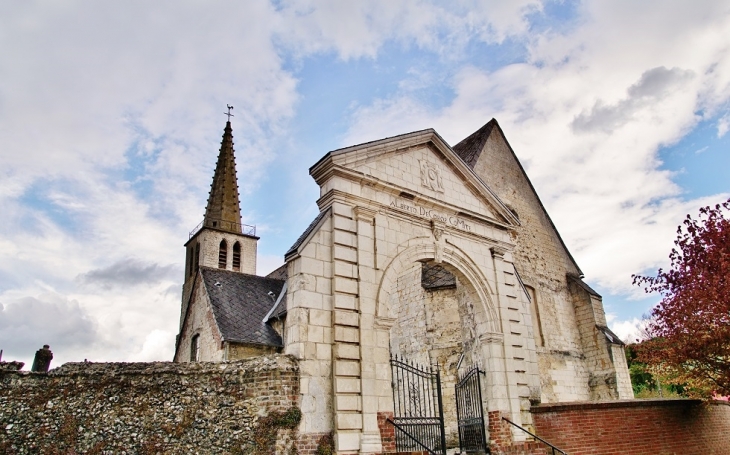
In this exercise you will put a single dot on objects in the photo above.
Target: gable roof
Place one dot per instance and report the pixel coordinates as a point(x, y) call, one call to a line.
point(239, 302)
point(343, 162)
point(469, 150)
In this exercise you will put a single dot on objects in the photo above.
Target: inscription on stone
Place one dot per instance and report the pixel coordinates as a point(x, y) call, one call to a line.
point(431, 214)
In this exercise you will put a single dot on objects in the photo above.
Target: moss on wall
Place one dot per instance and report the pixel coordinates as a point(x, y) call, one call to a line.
point(99, 408)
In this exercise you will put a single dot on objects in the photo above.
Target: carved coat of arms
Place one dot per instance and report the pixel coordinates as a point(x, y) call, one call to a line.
point(431, 176)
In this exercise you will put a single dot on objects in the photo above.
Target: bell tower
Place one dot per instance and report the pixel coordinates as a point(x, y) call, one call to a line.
point(220, 240)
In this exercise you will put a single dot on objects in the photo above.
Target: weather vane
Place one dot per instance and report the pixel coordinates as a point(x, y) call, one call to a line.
point(229, 112)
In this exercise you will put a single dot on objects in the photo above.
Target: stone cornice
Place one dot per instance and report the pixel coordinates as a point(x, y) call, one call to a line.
point(361, 203)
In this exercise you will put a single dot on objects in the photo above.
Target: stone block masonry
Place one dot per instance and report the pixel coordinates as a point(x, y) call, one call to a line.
point(167, 408)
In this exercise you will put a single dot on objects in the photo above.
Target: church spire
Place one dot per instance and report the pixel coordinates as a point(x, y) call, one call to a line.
point(223, 210)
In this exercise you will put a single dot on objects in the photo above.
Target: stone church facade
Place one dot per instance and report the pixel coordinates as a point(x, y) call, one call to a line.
point(439, 255)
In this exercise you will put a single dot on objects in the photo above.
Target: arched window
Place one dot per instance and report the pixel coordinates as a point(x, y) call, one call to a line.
point(195, 348)
point(223, 255)
point(197, 258)
point(237, 257)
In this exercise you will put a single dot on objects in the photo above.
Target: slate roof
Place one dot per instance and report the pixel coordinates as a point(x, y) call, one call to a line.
point(240, 302)
point(470, 148)
point(312, 226)
point(282, 273)
point(577, 280)
point(610, 336)
point(280, 310)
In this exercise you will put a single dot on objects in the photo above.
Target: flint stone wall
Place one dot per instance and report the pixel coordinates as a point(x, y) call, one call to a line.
point(162, 407)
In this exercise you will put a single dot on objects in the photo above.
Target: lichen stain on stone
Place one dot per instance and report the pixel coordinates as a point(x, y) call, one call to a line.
point(147, 408)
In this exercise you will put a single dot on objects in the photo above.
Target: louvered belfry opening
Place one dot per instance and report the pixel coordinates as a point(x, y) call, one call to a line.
point(223, 255)
point(237, 257)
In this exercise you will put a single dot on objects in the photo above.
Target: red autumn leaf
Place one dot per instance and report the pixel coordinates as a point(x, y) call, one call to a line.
point(690, 327)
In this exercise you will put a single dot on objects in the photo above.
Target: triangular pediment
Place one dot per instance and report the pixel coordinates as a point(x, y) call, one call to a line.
point(418, 166)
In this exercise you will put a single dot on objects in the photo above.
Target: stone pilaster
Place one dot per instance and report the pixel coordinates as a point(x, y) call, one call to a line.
point(347, 333)
point(372, 353)
point(515, 345)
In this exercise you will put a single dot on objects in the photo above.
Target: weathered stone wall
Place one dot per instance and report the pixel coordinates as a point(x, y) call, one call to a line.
point(419, 337)
point(200, 322)
point(309, 328)
point(543, 263)
point(434, 327)
point(169, 408)
point(381, 216)
point(240, 351)
point(209, 247)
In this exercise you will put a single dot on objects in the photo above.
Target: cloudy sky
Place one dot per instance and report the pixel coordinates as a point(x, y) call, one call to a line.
point(111, 116)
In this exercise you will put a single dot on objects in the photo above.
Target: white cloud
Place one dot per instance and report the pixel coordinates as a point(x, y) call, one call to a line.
point(111, 115)
point(107, 112)
point(361, 29)
point(628, 331)
point(723, 126)
point(157, 347)
point(268, 263)
point(27, 323)
point(587, 114)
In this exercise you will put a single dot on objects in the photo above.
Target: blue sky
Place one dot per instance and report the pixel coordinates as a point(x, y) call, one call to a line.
point(111, 117)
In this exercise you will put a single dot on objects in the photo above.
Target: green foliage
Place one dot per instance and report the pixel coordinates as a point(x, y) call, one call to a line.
point(326, 445)
point(646, 384)
point(689, 330)
point(267, 428)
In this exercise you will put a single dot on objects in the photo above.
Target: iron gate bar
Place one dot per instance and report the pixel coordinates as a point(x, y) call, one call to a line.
point(418, 413)
point(470, 413)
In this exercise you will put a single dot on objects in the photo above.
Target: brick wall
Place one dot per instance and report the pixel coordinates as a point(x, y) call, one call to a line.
point(145, 408)
point(636, 427)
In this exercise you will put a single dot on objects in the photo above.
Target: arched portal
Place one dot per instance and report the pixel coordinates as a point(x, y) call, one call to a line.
point(438, 312)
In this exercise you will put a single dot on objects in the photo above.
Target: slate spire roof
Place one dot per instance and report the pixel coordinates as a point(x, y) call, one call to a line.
point(223, 210)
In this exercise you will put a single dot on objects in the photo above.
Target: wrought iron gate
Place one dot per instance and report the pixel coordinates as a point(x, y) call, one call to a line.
point(469, 412)
point(418, 415)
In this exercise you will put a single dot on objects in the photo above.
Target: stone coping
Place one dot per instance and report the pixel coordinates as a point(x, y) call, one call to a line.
point(272, 362)
point(635, 403)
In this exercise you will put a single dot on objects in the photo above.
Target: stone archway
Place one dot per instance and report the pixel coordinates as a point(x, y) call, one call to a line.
point(437, 321)
point(424, 249)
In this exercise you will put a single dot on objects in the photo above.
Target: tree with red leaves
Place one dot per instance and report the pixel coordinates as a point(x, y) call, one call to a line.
point(690, 327)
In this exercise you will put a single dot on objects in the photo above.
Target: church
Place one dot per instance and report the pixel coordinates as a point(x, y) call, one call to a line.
point(422, 254)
